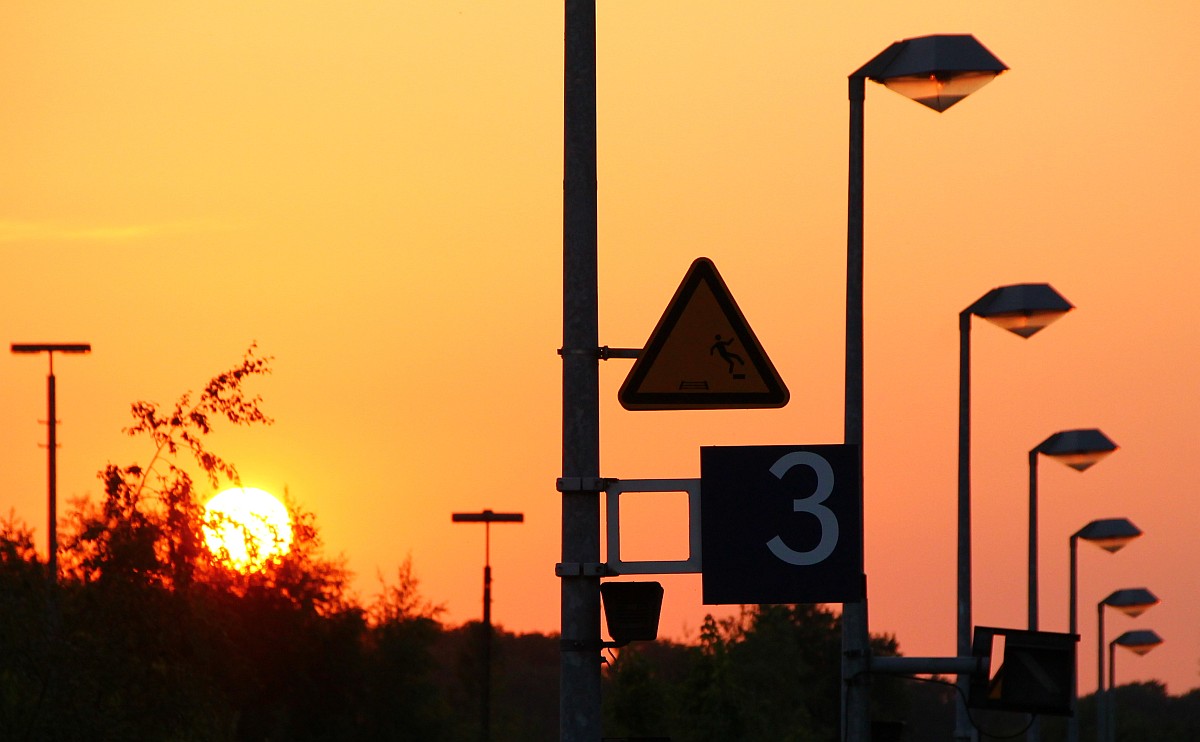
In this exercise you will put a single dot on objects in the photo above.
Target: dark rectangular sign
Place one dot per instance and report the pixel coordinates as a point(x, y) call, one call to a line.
point(781, 524)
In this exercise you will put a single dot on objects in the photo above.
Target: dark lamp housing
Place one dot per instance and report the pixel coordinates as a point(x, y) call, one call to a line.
point(1078, 449)
point(631, 610)
point(1023, 309)
point(1139, 641)
point(935, 71)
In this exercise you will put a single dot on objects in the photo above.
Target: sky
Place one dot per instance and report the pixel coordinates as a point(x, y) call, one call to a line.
point(372, 193)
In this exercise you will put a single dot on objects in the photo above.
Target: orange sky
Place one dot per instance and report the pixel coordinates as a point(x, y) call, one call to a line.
point(372, 192)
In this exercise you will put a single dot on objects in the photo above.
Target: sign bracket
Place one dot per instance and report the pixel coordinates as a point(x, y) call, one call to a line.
point(618, 487)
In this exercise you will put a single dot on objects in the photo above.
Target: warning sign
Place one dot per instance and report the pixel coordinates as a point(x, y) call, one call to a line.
point(702, 354)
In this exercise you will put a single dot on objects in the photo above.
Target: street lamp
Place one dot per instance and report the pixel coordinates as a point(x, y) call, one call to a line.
point(487, 518)
point(936, 71)
point(1023, 309)
point(1140, 642)
point(51, 441)
point(1110, 534)
point(1078, 449)
point(1132, 602)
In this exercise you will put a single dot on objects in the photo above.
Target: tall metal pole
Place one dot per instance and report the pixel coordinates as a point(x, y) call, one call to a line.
point(962, 722)
point(579, 687)
point(52, 474)
point(51, 444)
point(1101, 699)
point(1110, 703)
point(1073, 628)
point(1034, 733)
point(856, 712)
point(1033, 537)
point(486, 722)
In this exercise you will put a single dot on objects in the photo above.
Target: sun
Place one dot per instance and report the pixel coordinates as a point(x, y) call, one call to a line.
point(246, 528)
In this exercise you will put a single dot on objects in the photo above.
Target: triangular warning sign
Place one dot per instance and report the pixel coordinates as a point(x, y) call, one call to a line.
point(702, 354)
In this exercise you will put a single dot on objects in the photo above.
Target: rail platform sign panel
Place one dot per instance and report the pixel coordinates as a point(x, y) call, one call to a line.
point(781, 524)
point(702, 355)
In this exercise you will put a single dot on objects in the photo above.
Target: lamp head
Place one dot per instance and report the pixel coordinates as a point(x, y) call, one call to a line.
point(1131, 601)
point(51, 348)
point(1023, 308)
point(1139, 641)
point(1078, 449)
point(487, 516)
point(936, 71)
point(1110, 534)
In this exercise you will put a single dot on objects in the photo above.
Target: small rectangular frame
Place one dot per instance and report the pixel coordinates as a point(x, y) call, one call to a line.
point(618, 487)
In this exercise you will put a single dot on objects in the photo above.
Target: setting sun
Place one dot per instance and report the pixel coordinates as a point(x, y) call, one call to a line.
point(246, 527)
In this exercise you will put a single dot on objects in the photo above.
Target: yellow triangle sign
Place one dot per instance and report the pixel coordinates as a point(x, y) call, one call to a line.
point(702, 354)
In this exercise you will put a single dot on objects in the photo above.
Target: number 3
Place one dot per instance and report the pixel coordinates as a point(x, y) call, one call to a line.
point(811, 504)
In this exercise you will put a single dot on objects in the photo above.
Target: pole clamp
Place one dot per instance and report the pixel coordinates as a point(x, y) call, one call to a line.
point(583, 484)
point(584, 569)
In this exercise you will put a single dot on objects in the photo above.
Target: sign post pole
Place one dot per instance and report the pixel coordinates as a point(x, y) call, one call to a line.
point(579, 687)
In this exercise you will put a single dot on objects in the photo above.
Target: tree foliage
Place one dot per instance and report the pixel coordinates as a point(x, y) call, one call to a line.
point(147, 527)
point(148, 636)
point(768, 673)
point(1142, 711)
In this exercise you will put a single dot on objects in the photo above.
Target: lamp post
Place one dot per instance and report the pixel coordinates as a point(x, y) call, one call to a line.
point(1110, 534)
point(1132, 602)
point(936, 71)
point(1023, 309)
point(51, 442)
point(487, 518)
point(1078, 449)
point(1140, 642)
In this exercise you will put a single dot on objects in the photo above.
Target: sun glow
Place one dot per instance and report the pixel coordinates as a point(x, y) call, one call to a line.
point(246, 528)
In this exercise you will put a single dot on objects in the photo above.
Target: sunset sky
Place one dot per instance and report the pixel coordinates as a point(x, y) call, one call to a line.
point(372, 192)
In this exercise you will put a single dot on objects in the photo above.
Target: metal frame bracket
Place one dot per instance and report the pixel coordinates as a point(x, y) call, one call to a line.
point(616, 488)
point(602, 353)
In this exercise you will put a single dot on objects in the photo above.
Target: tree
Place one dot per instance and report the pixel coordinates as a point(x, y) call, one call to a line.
point(639, 688)
point(769, 673)
point(400, 694)
point(24, 638)
point(154, 637)
point(147, 528)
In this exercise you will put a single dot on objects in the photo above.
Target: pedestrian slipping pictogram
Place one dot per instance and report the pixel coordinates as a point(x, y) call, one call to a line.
point(702, 354)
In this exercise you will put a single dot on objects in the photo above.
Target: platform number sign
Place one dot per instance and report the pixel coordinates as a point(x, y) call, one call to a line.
point(781, 524)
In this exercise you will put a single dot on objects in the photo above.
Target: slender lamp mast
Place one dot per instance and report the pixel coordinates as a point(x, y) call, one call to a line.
point(1140, 642)
point(1078, 449)
point(1133, 602)
point(487, 518)
point(1110, 534)
point(51, 442)
point(936, 71)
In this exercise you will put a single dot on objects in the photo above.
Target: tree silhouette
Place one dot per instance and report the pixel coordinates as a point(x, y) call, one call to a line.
point(154, 637)
point(149, 636)
point(772, 672)
point(147, 528)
